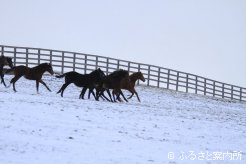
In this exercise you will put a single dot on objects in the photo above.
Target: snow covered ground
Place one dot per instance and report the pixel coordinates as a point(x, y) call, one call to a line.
point(47, 129)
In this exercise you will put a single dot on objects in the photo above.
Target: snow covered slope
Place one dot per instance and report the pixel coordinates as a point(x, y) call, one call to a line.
point(47, 129)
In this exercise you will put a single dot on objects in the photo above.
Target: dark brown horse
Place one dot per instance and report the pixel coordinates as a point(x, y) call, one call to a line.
point(34, 73)
point(90, 81)
point(130, 85)
point(4, 61)
point(113, 81)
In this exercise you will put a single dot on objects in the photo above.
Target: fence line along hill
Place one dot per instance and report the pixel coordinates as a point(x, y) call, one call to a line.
point(64, 61)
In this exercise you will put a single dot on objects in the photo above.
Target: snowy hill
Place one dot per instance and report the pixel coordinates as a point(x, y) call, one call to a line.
point(47, 129)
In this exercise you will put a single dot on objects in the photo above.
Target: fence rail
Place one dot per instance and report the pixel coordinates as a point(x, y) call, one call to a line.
point(64, 61)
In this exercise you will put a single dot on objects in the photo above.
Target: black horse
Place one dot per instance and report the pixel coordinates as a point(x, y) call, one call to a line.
point(87, 80)
point(113, 81)
point(4, 61)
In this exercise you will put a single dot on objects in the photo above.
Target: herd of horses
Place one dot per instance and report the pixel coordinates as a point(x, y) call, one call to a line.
point(96, 80)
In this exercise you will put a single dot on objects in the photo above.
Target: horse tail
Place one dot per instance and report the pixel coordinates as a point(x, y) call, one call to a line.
point(61, 76)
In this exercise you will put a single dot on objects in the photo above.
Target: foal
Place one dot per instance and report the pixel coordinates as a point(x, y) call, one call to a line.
point(130, 85)
point(4, 61)
point(113, 81)
point(34, 73)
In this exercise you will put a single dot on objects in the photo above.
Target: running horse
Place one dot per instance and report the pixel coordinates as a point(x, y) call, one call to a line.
point(113, 81)
point(129, 84)
point(87, 81)
point(34, 73)
point(4, 61)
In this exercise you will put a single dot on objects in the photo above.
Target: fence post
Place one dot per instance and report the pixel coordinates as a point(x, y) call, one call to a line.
point(15, 56)
point(2, 50)
point(27, 57)
point(159, 74)
point(177, 82)
point(50, 56)
point(196, 84)
point(129, 65)
point(232, 88)
point(214, 88)
point(62, 68)
point(168, 78)
point(187, 83)
point(39, 56)
point(241, 90)
point(148, 75)
point(138, 71)
point(74, 59)
point(118, 64)
point(223, 90)
point(96, 62)
point(107, 66)
point(85, 66)
point(205, 86)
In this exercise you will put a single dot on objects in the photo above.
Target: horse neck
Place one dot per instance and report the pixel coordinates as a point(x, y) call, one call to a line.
point(2, 60)
point(134, 78)
point(40, 68)
point(94, 75)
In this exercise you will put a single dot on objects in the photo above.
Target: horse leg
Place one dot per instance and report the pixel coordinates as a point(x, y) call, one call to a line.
point(131, 95)
point(91, 91)
point(89, 94)
point(109, 95)
point(60, 89)
point(118, 96)
point(42, 82)
point(80, 95)
point(2, 80)
point(64, 86)
point(83, 93)
point(104, 97)
point(13, 80)
point(133, 91)
point(121, 93)
point(98, 92)
point(2, 74)
point(113, 94)
point(37, 85)
point(137, 96)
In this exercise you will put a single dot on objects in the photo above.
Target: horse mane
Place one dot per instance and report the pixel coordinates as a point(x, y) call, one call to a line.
point(94, 71)
point(41, 65)
point(135, 74)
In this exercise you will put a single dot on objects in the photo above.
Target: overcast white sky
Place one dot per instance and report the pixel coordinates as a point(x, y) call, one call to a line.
point(204, 37)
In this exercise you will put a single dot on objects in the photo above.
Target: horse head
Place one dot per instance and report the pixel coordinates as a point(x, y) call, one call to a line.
point(9, 61)
point(141, 77)
point(49, 68)
point(101, 73)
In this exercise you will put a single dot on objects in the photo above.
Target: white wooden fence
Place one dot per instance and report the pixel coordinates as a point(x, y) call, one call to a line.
point(64, 61)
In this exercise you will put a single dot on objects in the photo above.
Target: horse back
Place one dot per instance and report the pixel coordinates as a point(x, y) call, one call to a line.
point(73, 77)
point(80, 80)
point(21, 70)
